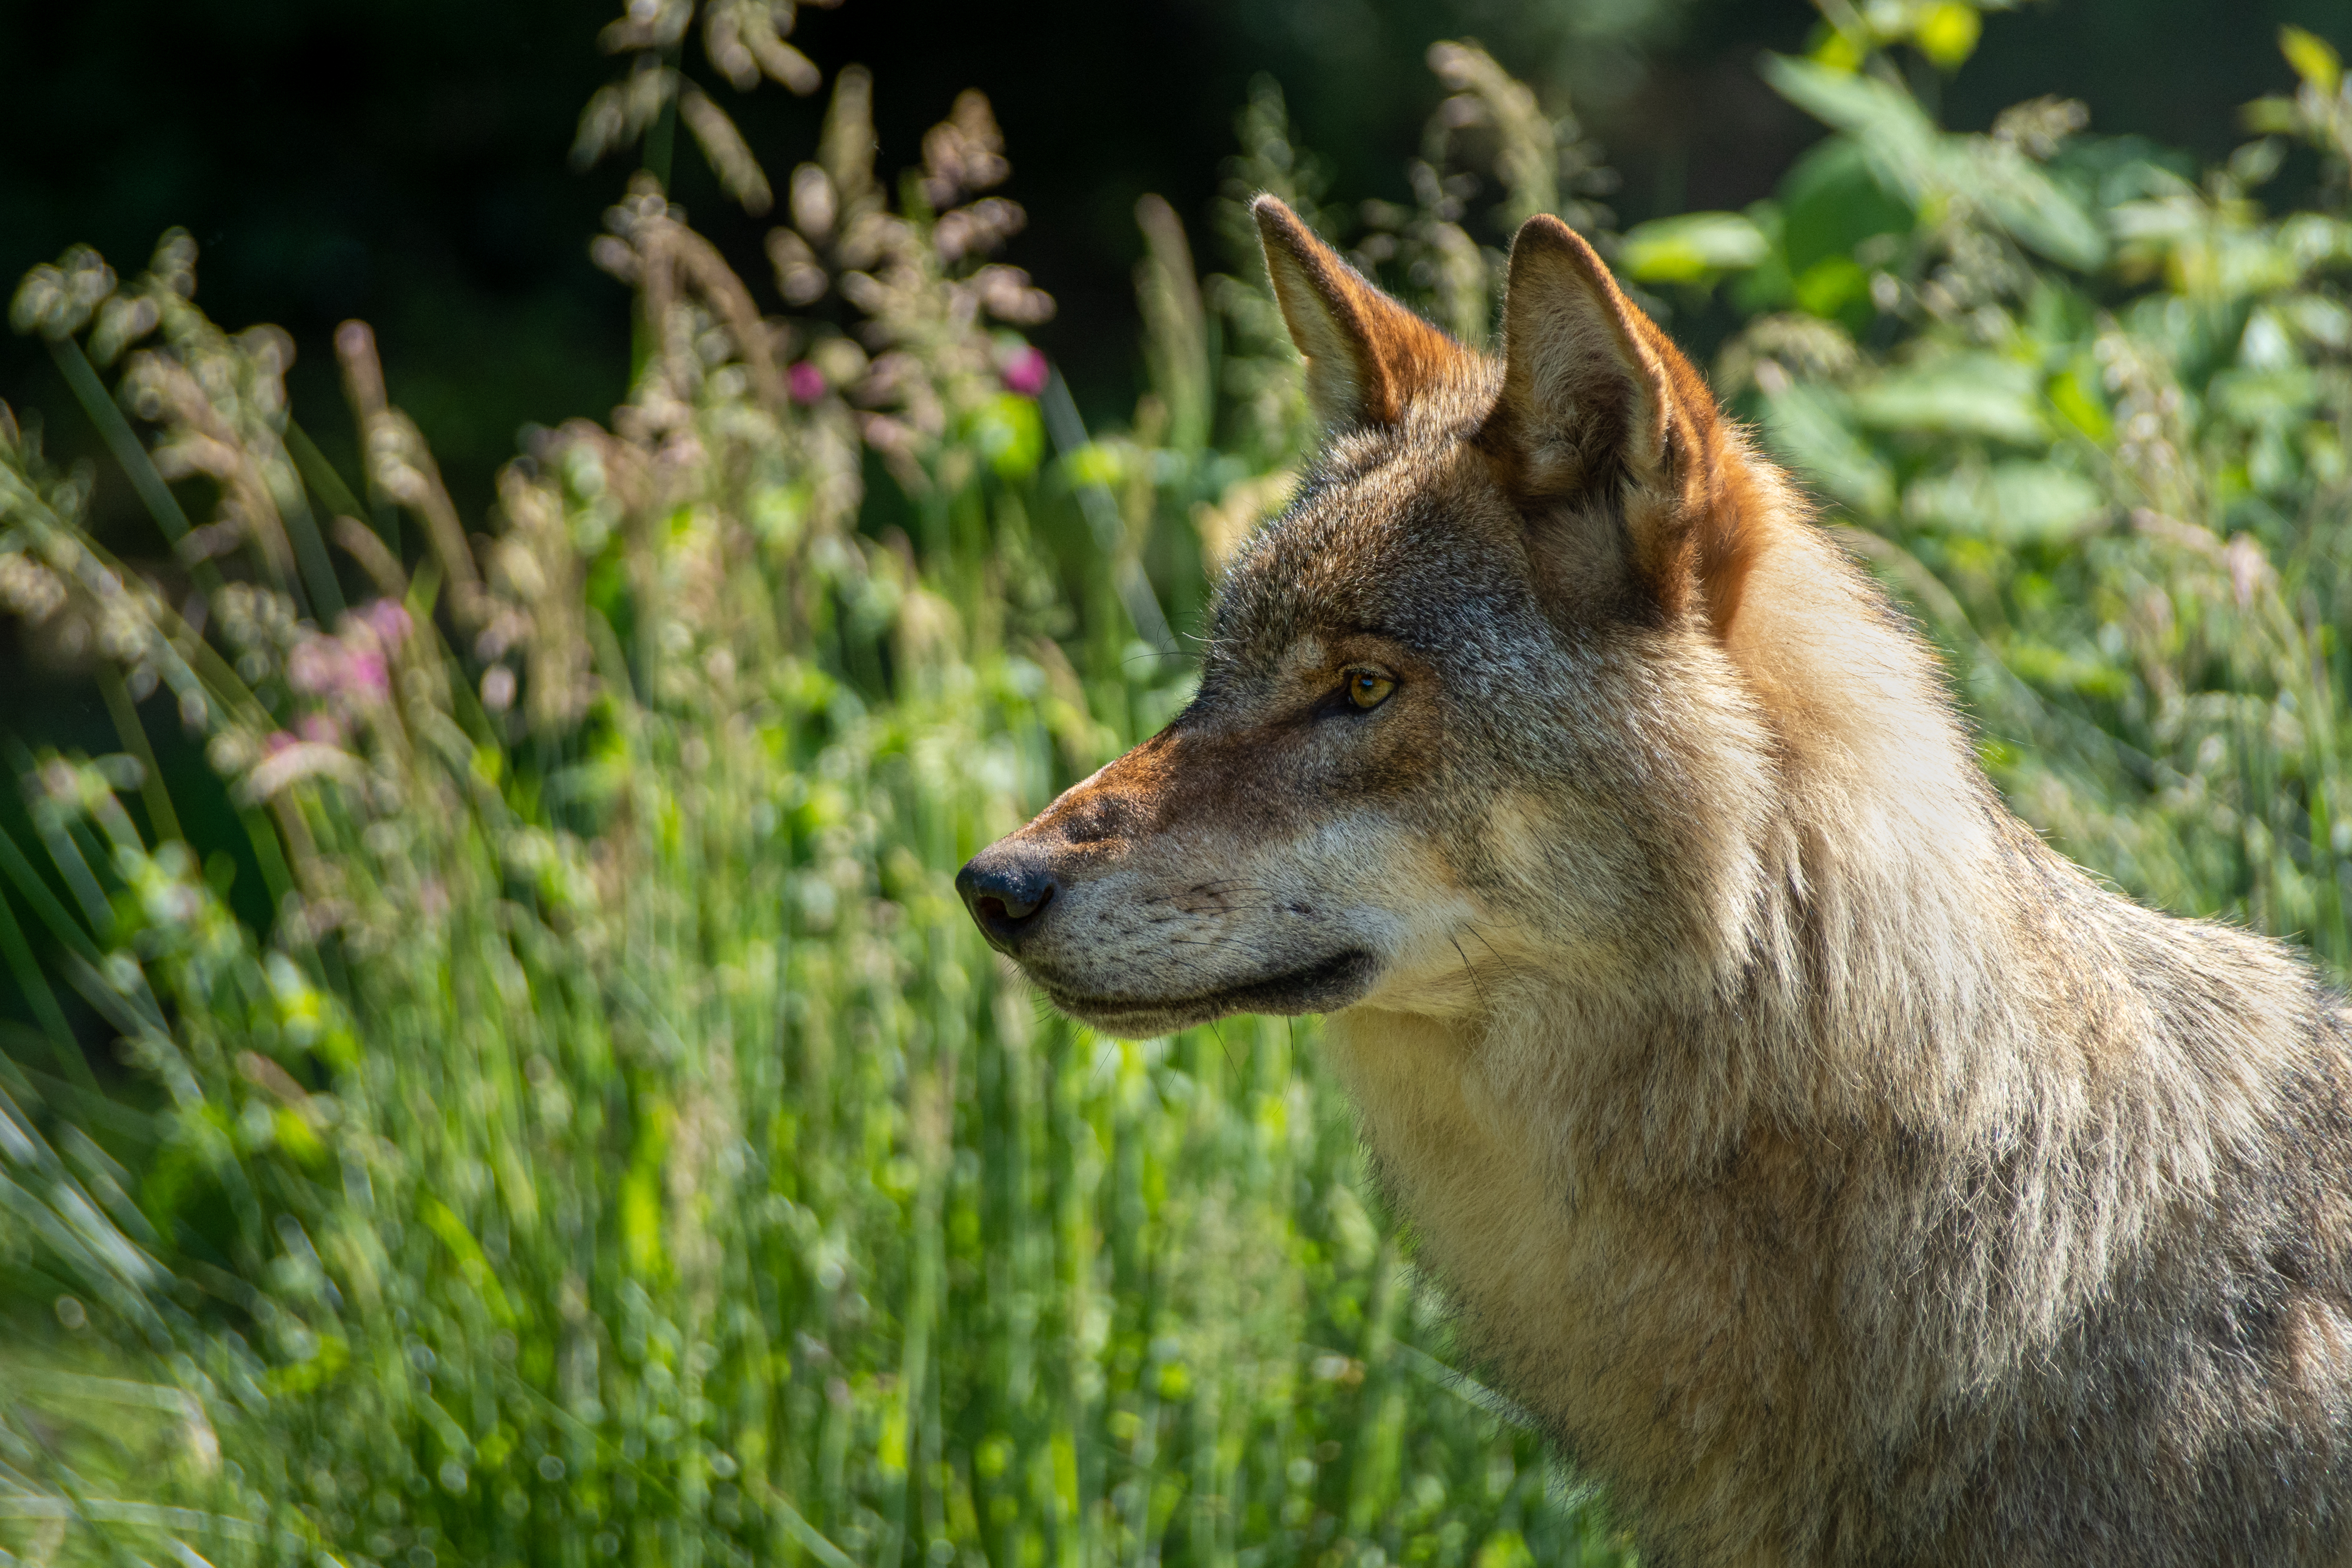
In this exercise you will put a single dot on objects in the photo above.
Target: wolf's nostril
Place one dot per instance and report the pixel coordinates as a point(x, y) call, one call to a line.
point(1004, 893)
point(996, 908)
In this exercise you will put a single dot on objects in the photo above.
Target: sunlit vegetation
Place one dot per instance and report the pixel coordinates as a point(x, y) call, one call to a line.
point(615, 1145)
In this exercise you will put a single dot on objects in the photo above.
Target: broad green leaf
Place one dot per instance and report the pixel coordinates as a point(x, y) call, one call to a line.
point(2315, 59)
point(1692, 248)
point(2073, 395)
point(1833, 199)
point(1830, 284)
point(1891, 123)
point(2271, 396)
point(2036, 211)
point(1807, 425)
point(1927, 165)
point(1977, 395)
point(2013, 501)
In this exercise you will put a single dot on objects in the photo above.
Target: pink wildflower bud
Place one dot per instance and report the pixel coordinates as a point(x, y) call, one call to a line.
point(388, 619)
point(804, 382)
point(364, 676)
point(1026, 371)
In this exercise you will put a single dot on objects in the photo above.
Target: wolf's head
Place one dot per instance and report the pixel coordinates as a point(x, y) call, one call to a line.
point(1498, 694)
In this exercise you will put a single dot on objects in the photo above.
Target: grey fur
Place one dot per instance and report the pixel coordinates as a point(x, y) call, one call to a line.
point(1842, 1175)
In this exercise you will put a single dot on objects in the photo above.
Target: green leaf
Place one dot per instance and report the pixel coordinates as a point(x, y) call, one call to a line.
point(1831, 284)
point(1695, 248)
point(2276, 397)
point(2073, 393)
point(2315, 59)
point(1834, 199)
point(1977, 395)
point(1928, 167)
point(2036, 211)
point(1807, 425)
point(1838, 51)
point(1848, 101)
point(2012, 502)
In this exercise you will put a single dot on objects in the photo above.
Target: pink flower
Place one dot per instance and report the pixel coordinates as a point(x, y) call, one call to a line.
point(388, 619)
point(363, 674)
point(1026, 371)
point(344, 670)
point(804, 382)
point(321, 728)
point(278, 741)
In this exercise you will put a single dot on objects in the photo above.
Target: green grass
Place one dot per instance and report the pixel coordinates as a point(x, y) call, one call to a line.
point(615, 1144)
point(701, 1186)
point(623, 1147)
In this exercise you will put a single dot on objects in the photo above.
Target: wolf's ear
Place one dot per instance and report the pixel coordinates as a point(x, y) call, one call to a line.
point(1584, 391)
point(1595, 395)
point(1367, 355)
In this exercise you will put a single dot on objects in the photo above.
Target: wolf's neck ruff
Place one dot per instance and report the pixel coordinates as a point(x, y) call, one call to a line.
point(1837, 1171)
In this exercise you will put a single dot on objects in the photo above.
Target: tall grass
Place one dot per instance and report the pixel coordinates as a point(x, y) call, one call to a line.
point(621, 1145)
point(615, 1144)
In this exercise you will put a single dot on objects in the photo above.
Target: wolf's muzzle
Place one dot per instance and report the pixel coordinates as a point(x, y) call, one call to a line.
point(1005, 889)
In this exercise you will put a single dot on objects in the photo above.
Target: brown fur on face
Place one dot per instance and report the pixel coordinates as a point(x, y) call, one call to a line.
point(1840, 1175)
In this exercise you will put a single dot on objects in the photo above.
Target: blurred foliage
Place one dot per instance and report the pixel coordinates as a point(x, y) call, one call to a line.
point(619, 1144)
point(613, 1143)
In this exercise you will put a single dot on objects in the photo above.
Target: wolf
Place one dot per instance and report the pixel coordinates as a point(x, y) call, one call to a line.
point(1836, 1172)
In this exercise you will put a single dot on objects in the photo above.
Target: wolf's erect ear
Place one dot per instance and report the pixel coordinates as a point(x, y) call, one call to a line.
point(1367, 355)
point(1595, 395)
point(1584, 389)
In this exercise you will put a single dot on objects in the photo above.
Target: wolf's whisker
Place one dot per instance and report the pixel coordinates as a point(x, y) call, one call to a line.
point(1466, 968)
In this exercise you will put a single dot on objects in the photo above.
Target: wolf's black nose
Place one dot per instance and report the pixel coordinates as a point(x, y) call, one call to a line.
point(1003, 891)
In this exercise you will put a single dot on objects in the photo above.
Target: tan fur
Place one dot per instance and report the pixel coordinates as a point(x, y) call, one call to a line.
point(1841, 1175)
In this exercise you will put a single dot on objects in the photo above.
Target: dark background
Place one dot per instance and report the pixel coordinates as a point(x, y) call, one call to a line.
point(404, 161)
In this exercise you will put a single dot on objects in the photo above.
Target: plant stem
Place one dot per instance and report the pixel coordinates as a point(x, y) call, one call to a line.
point(661, 137)
point(162, 820)
point(1101, 510)
point(311, 552)
point(310, 544)
point(44, 1001)
point(321, 474)
point(161, 503)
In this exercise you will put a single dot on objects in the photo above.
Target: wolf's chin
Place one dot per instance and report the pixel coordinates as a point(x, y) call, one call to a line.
point(1323, 986)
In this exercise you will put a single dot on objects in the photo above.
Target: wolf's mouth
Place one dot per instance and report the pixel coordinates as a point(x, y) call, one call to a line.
point(1323, 986)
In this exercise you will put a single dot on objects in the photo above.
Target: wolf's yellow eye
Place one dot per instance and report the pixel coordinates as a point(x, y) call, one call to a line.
point(1369, 689)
